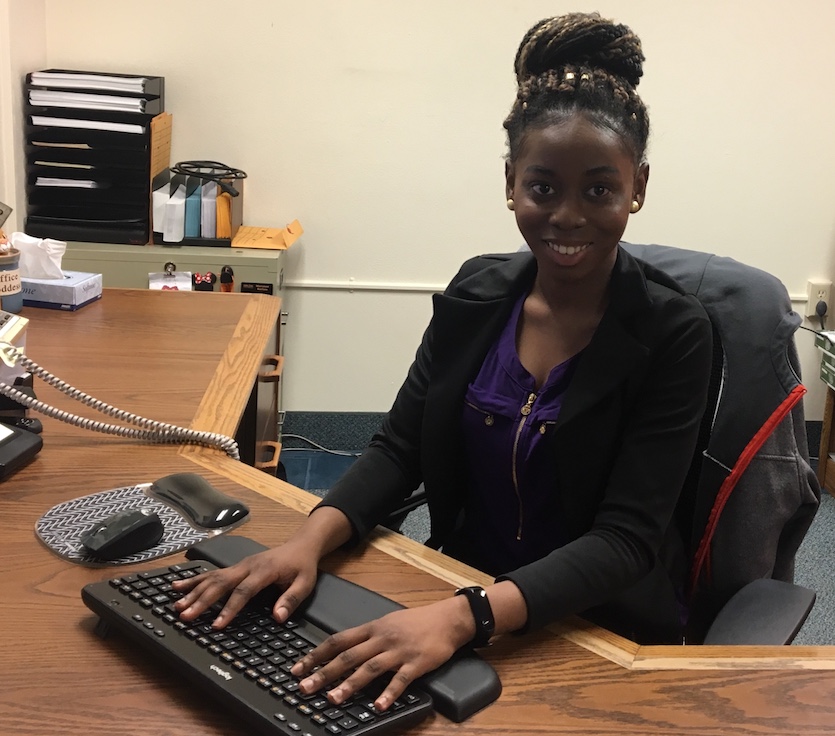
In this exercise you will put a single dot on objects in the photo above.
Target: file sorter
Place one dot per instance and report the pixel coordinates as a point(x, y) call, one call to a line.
point(94, 141)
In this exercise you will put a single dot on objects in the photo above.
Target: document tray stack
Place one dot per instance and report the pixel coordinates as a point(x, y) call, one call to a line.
point(94, 142)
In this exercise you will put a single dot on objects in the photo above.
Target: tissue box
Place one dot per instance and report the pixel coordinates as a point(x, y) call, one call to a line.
point(75, 290)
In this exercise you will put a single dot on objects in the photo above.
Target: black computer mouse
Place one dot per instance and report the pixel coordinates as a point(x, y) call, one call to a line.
point(124, 533)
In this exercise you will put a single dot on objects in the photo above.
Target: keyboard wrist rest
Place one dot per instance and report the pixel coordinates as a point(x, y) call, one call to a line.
point(459, 688)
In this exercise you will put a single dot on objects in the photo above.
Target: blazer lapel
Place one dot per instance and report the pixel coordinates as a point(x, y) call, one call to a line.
point(466, 321)
point(470, 316)
point(614, 352)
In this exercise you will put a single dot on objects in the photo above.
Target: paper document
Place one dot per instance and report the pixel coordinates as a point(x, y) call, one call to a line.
point(50, 144)
point(49, 181)
point(174, 227)
point(208, 210)
point(87, 124)
point(63, 164)
point(266, 237)
point(79, 100)
point(159, 201)
point(193, 211)
point(90, 81)
point(223, 219)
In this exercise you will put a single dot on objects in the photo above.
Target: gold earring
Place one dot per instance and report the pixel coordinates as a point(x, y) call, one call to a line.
point(511, 205)
point(636, 205)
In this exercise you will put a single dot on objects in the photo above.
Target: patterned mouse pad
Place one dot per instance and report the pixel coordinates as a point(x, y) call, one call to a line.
point(61, 527)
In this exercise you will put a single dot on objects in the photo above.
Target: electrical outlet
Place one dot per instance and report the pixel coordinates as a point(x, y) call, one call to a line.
point(818, 291)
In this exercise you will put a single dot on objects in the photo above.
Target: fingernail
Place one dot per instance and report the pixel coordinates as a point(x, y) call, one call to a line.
point(306, 684)
point(381, 703)
point(296, 669)
point(281, 614)
point(336, 695)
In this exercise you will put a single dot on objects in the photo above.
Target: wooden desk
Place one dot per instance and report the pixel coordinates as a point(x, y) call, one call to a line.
point(190, 365)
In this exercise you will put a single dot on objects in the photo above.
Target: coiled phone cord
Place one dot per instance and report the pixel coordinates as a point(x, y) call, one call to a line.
point(153, 431)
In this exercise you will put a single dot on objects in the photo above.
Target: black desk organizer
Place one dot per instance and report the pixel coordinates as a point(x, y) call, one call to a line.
point(167, 179)
point(123, 163)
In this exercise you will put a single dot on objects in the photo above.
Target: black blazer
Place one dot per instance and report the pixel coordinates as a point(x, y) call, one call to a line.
point(622, 444)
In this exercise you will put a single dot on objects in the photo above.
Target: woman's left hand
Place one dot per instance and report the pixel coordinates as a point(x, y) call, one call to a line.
point(409, 643)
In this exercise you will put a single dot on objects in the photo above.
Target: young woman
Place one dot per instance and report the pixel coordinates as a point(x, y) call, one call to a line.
point(552, 408)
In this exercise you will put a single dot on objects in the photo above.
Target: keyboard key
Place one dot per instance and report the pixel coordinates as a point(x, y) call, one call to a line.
point(363, 715)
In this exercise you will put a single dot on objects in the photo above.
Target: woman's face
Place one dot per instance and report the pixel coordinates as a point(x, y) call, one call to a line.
point(573, 184)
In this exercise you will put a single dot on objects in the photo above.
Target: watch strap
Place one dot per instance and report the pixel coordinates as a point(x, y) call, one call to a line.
point(485, 624)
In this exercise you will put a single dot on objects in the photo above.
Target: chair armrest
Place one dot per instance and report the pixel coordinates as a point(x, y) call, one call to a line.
point(764, 612)
point(396, 517)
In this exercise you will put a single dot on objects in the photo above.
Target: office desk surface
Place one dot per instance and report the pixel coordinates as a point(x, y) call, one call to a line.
point(186, 367)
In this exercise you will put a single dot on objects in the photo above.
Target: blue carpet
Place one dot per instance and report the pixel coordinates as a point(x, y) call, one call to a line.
point(318, 470)
point(314, 470)
point(813, 569)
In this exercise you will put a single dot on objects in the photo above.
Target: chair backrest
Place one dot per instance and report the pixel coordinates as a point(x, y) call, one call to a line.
point(751, 494)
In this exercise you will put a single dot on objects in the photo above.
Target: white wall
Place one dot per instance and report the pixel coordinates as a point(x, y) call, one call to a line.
point(22, 48)
point(378, 125)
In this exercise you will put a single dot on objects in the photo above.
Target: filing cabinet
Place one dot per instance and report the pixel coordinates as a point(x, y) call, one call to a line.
point(128, 266)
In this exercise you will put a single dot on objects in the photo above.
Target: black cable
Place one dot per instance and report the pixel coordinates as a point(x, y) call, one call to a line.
point(211, 171)
point(818, 332)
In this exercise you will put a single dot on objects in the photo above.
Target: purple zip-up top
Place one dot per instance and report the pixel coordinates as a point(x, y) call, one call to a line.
point(512, 516)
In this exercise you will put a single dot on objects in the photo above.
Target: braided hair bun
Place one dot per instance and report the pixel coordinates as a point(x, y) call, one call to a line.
point(581, 40)
point(579, 62)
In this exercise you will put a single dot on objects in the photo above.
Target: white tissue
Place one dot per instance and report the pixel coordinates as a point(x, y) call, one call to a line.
point(39, 258)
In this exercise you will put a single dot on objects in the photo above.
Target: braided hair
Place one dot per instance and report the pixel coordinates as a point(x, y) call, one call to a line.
point(579, 62)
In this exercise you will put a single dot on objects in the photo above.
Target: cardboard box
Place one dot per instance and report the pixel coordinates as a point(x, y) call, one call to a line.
point(74, 291)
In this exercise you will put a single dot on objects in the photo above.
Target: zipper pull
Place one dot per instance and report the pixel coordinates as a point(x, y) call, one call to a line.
point(526, 409)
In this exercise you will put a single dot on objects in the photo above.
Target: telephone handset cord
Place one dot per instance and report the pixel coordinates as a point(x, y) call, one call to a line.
point(153, 431)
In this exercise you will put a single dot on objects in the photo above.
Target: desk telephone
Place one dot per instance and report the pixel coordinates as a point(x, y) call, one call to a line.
point(18, 446)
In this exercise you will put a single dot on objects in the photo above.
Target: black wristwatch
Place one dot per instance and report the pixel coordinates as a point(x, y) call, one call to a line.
point(482, 613)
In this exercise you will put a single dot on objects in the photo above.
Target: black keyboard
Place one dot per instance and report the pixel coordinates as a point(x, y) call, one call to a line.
point(247, 664)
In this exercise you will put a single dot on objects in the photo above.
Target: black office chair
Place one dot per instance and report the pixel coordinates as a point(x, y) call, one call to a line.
point(751, 493)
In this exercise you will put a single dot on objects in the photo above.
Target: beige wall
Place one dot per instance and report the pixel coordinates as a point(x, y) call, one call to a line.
point(378, 124)
point(22, 49)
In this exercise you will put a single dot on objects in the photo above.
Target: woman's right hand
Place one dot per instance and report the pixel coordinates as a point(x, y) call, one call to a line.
point(292, 567)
